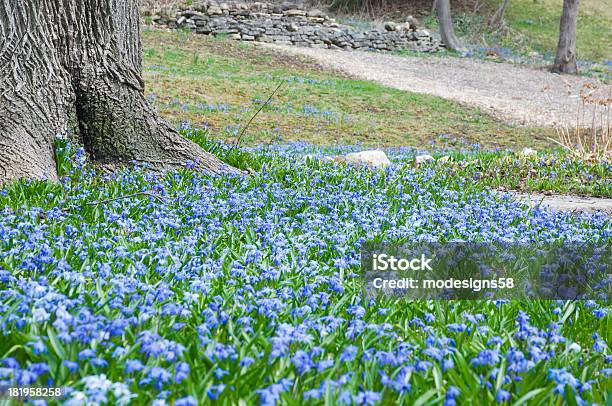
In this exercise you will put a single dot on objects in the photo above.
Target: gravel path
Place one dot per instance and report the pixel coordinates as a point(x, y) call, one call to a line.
point(567, 202)
point(513, 93)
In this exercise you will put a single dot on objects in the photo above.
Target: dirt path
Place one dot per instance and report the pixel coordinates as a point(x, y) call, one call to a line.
point(567, 202)
point(513, 93)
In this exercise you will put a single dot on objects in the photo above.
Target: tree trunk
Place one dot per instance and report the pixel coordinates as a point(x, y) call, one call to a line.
point(498, 17)
point(565, 61)
point(73, 67)
point(446, 26)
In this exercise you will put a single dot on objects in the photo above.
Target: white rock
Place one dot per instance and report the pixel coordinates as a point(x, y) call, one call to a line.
point(421, 159)
point(374, 158)
point(443, 159)
point(529, 152)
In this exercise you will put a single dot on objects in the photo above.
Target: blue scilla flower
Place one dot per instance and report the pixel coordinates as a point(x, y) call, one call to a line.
point(502, 396)
point(159, 376)
point(186, 401)
point(133, 365)
point(367, 398)
point(271, 394)
point(451, 395)
point(181, 372)
point(562, 378)
point(348, 354)
point(215, 391)
point(71, 365)
point(486, 357)
point(302, 362)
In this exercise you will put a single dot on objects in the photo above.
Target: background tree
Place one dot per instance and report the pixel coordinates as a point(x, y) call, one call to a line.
point(74, 67)
point(447, 32)
point(565, 61)
point(497, 19)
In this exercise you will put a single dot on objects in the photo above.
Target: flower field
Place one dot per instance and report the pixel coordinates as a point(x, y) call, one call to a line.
point(186, 288)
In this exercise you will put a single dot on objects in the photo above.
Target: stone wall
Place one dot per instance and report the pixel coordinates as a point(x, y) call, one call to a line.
point(289, 24)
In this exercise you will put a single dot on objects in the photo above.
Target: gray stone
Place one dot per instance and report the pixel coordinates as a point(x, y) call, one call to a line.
point(527, 152)
point(287, 5)
point(413, 22)
point(316, 13)
point(374, 159)
point(390, 26)
point(294, 13)
point(421, 159)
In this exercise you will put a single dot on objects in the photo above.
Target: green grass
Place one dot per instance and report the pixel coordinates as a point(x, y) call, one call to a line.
point(533, 26)
point(187, 73)
point(546, 172)
point(537, 22)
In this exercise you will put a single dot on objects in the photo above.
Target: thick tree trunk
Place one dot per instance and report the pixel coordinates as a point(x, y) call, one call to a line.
point(447, 32)
point(74, 67)
point(565, 61)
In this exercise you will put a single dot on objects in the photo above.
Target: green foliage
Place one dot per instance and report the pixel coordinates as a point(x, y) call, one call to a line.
point(230, 154)
point(546, 172)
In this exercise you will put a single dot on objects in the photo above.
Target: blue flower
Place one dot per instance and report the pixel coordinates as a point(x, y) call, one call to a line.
point(182, 372)
point(502, 396)
point(133, 365)
point(215, 391)
point(71, 365)
point(367, 398)
point(159, 376)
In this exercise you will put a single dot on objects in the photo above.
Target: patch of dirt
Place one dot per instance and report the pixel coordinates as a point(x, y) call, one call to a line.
point(516, 94)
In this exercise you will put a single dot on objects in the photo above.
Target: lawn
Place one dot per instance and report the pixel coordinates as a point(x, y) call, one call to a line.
point(219, 84)
point(537, 22)
point(246, 289)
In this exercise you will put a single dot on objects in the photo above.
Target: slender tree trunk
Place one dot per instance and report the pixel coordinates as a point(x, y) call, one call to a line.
point(447, 31)
point(74, 67)
point(565, 61)
point(498, 17)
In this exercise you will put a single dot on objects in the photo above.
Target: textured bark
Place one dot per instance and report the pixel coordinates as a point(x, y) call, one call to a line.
point(447, 32)
point(565, 61)
point(74, 67)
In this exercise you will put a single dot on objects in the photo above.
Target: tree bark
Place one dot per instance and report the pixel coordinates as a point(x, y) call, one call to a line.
point(565, 61)
point(73, 67)
point(447, 32)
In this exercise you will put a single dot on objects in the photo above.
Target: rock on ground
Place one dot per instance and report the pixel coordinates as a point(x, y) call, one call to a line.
point(375, 159)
